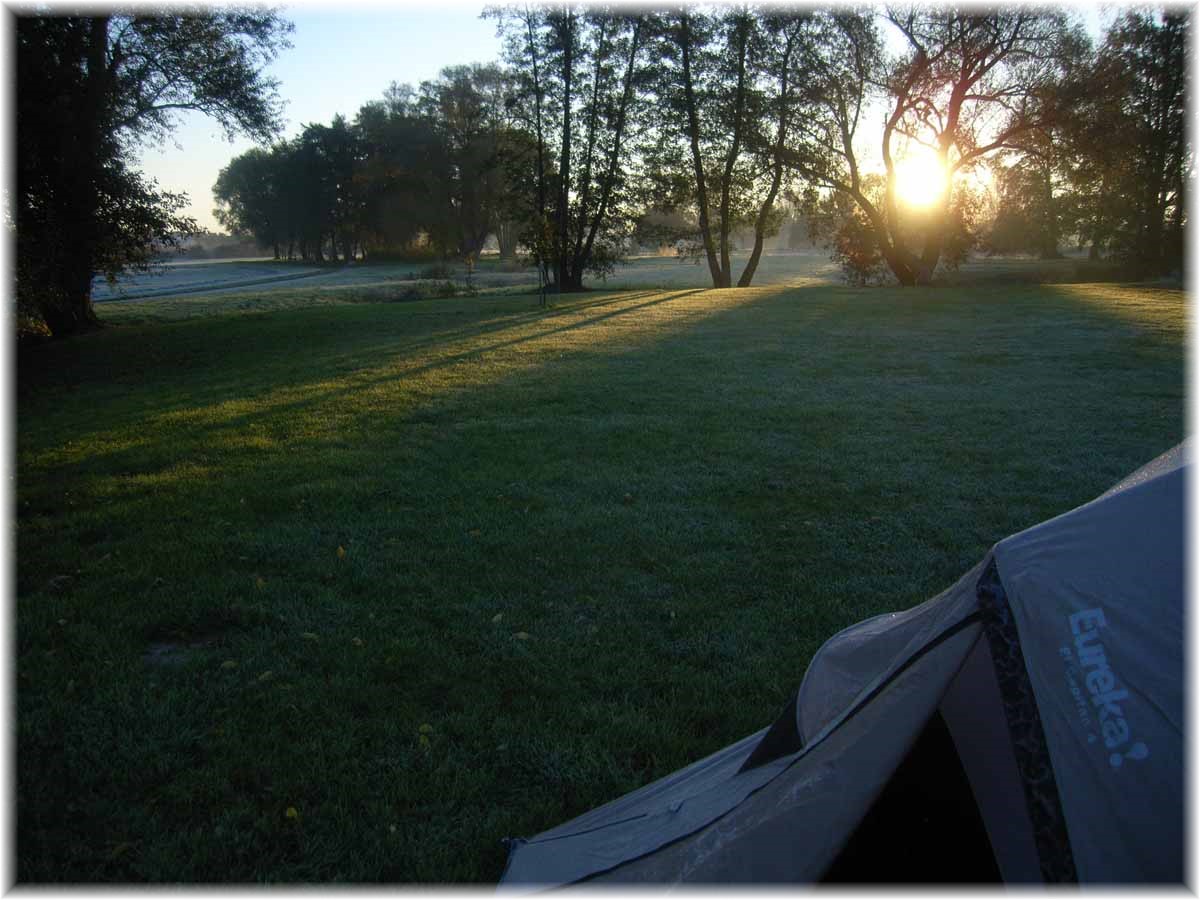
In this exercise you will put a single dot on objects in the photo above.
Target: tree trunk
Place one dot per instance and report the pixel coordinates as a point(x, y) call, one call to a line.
point(735, 146)
point(591, 136)
point(506, 236)
point(614, 160)
point(563, 276)
point(710, 252)
point(68, 304)
point(70, 316)
point(903, 264)
point(760, 223)
point(540, 250)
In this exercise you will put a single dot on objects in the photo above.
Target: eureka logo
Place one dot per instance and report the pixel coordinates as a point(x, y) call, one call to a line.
point(1107, 695)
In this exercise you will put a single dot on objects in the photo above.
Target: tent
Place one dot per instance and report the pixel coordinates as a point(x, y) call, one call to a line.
point(1025, 725)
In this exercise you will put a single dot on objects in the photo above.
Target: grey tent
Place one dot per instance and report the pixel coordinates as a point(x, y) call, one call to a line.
point(1044, 691)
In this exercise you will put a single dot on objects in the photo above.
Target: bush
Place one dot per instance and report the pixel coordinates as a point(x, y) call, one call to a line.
point(438, 290)
point(604, 259)
point(856, 251)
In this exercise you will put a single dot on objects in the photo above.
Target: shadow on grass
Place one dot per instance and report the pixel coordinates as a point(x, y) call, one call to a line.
point(516, 566)
point(382, 361)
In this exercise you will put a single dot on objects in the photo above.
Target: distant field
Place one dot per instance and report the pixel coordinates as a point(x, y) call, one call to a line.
point(200, 289)
point(265, 276)
point(316, 590)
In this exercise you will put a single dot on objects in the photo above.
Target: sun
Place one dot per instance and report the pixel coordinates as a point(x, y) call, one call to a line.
point(920, 179)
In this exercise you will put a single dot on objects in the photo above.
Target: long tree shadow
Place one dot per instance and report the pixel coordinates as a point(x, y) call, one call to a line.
point(674, 512)
point(388, 360)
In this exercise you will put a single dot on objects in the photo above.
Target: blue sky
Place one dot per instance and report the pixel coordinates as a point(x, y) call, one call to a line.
point(341, 58)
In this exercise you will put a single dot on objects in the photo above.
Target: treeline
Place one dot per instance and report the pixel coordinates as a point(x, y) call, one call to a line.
point(1110, 172)
point(433, 163)
point(599, 119)
point(601, 125)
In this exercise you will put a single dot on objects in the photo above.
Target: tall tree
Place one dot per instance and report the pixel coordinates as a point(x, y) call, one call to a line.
point(1031, 213)
point(1112, 166)
point(1143, 64)
point(249, 193)
point(787, 49)
point(526, 53)
point(403, 174)
point(731, 86)
point(89, 89)
point(466, 107)
point(969, 84)
point(578, 72)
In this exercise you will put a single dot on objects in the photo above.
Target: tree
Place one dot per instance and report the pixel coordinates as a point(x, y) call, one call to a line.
point(249, 195)
point(732, 84)
point(1033, 204)
point(969, 84)
point(1111, 168)
point(786, 50)
point(402, 175)
point(577, 73)
point(1138, 141)
point(465, 106)
point(525, 52)
point(89, 90)
point(707, 85)
point(334, 152)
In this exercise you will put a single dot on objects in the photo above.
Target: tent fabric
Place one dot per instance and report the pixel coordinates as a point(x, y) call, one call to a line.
point(973, 711)
point(1056, 664)
point(815, 805)
point(1027, 738)
point(689, 800)
point(1097, 599)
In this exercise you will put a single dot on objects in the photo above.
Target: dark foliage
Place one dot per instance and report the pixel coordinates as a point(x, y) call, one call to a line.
point(89, 89)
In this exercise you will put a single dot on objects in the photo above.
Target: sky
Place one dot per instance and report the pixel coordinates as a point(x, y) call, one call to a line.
point(340, 59)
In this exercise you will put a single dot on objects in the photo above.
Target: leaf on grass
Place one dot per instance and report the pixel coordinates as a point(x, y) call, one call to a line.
point(521, 635)
point(292, 813)
point(425, 729)
point(357, 642)
point(496, 618)
point(309, 636)
point(266, 676)
point(341, 552)
point(260, 583)
point(229, 664)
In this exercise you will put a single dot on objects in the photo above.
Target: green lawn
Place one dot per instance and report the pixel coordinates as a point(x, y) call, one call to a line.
point(353, 592)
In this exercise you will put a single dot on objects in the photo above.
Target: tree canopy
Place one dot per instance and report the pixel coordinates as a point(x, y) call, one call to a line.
point(598, 120)
point(89, 90)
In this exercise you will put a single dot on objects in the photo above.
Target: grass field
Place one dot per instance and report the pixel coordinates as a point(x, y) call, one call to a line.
point(351, 592)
